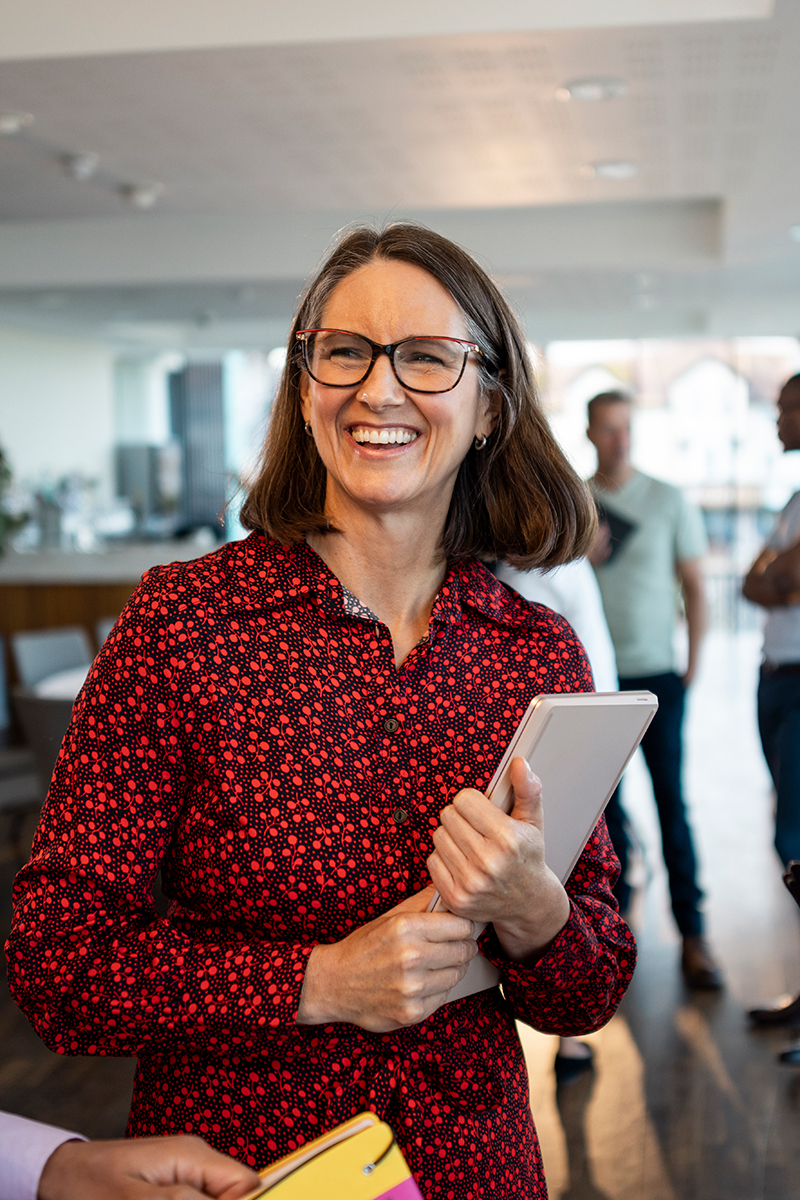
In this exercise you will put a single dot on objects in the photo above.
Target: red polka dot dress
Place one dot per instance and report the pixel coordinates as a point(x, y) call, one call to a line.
point(246, 730)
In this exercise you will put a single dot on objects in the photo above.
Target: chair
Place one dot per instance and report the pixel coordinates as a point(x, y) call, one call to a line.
point(41, 652)
point(102, 629)
point(44, 722)
point(21, 794)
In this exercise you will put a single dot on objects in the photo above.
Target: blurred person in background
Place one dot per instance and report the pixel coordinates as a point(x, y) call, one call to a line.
point(40, 1162)
point(649, 548)
point(572, 591)
point(773, 582)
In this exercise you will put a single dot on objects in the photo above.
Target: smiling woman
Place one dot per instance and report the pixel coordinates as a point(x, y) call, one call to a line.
point(427, 278)
point(299, 729)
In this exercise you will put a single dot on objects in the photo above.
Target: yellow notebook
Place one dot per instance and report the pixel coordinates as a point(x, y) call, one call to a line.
point(358, 1160)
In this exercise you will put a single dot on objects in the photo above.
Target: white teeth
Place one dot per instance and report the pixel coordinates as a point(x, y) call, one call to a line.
point(383, 437)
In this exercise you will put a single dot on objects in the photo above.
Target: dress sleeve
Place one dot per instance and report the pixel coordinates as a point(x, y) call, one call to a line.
point(89, 960)
point(577, 984)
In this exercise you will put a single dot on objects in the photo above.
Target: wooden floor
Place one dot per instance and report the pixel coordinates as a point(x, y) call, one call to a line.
point(686, 1103)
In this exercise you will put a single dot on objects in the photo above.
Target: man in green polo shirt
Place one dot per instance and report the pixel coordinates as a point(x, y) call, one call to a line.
point(648, 553)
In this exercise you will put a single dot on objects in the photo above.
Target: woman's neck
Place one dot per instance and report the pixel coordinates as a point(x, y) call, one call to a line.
point(392, 566)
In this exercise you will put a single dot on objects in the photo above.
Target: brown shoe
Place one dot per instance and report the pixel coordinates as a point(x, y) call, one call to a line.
point(698, 965)
point(784, 1011)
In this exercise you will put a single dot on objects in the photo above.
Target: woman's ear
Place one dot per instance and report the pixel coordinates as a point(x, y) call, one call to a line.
point(490, 412)
point(305, 396)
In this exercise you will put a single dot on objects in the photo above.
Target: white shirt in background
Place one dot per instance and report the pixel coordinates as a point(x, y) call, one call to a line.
point(572, 591)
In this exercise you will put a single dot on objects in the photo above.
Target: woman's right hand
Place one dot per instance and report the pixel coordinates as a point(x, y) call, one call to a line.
point(392, 972)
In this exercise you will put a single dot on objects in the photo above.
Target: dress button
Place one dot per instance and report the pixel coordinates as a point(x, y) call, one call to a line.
point(400, 816)
point(391, 724)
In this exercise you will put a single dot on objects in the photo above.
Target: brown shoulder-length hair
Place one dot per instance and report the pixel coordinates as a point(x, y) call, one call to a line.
point(517, 501)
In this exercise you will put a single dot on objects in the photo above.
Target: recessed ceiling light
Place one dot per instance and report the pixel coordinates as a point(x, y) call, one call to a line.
point(141, 195)
point(613, 168)
point(595, 87)
point(80, 166)
point(14, 122)
point(794, 233)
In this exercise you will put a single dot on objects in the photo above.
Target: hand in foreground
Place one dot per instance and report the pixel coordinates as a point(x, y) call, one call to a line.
point(169, 1168)
point(392, 972)
point(490, 867)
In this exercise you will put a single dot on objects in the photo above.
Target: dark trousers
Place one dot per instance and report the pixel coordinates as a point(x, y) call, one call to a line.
point(663, 752)
point(779, 726)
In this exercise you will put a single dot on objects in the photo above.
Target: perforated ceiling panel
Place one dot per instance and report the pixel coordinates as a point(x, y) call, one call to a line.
point(256, 135)
point(469, 121)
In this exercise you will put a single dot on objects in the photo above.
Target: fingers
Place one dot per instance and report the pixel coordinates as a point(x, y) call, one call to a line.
point(212, 1173)
point(181, 1168)
point(419, 923)
point(416, 902)
point(484, 818)
point(178, 1191)
point(446, 927)
point(465, 888)
point(482, 857)
point(442, 878)
point(527, 794)
point(446, 955)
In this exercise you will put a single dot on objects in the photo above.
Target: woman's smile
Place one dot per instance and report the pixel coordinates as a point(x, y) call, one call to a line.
point(382, 435)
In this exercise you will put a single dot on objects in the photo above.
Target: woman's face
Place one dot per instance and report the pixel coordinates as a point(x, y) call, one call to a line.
point(387, 301)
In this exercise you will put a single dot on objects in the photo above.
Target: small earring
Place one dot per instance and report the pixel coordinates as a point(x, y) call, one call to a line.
point(480, 442)
point(308, 429)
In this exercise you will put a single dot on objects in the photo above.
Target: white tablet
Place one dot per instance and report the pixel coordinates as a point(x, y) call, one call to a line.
point(579, 745)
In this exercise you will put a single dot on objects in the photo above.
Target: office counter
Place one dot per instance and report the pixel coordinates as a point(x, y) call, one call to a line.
point(48, 588)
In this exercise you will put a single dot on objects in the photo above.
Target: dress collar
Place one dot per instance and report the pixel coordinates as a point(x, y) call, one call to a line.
point(276, 576)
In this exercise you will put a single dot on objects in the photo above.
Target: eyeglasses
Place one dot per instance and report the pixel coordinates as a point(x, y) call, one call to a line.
point(337, 358)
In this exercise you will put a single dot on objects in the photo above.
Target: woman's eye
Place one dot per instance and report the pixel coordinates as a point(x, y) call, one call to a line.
point(420, 358)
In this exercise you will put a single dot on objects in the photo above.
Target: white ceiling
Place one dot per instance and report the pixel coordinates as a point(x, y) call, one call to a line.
point(50, 28)
point(265, 150)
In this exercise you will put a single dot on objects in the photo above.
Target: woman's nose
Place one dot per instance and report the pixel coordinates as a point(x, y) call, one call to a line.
point(381, 385)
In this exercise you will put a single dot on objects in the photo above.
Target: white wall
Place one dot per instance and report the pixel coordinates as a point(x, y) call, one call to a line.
point(56, 407)
point(141, 390)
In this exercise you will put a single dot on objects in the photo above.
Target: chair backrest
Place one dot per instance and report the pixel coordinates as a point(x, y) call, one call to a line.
point(102, 629)
point(41, 652)
point(5, 712)
point(44, 721)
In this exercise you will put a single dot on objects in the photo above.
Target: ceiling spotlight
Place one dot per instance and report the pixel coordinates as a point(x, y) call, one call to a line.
point(615, 168)
point(141, 195)
point(80, 166)
point(794, 233)
point(14, 122)
point(595, 87)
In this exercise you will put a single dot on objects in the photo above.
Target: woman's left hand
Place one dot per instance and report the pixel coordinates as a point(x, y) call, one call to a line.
point(490, 867)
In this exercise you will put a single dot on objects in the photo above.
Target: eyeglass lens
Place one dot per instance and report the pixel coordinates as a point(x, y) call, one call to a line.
point(422, 364)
